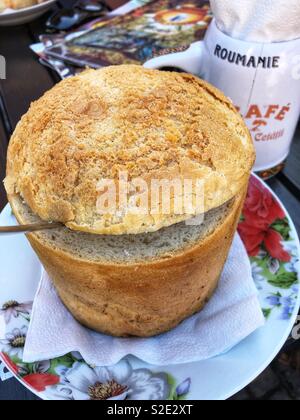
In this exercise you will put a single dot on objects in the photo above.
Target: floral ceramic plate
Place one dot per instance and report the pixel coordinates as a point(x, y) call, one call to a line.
point(273, 246)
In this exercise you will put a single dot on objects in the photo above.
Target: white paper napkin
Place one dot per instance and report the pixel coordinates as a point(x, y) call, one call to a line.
point(232, 314)
point(258, 20)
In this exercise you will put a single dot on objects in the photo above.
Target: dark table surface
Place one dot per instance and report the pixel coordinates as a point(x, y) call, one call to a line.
point(27, 80)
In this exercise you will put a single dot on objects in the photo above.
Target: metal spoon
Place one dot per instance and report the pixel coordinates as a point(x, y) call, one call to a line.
point(29, 228)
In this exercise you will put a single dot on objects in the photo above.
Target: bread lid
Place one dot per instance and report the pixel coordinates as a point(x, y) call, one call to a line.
point(144, 124)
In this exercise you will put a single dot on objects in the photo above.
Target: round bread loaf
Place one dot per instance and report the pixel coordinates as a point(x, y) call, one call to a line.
point(147, 123)
point(140, 274)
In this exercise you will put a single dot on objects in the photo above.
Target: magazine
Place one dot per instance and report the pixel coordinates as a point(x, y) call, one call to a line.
point(135, 37)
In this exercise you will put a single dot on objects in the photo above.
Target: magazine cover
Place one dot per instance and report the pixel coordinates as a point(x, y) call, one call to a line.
point(138, 35)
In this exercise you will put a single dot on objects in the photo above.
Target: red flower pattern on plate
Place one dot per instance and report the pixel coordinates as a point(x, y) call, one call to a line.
point(260, 212)
point(39, 381)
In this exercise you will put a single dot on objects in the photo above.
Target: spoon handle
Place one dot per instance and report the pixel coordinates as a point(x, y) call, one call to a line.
point(29, 228)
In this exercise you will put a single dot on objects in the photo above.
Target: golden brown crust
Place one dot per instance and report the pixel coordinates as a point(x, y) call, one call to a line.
point(140, 299)
point(20, 4)
point(150, 123)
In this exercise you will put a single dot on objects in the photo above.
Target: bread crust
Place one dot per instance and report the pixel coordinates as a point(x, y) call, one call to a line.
point(152, 124)
point(19, 4)
point(140, 299)
point(3, 5)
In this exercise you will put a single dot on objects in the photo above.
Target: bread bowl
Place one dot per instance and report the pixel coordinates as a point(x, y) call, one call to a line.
point(123, 273)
